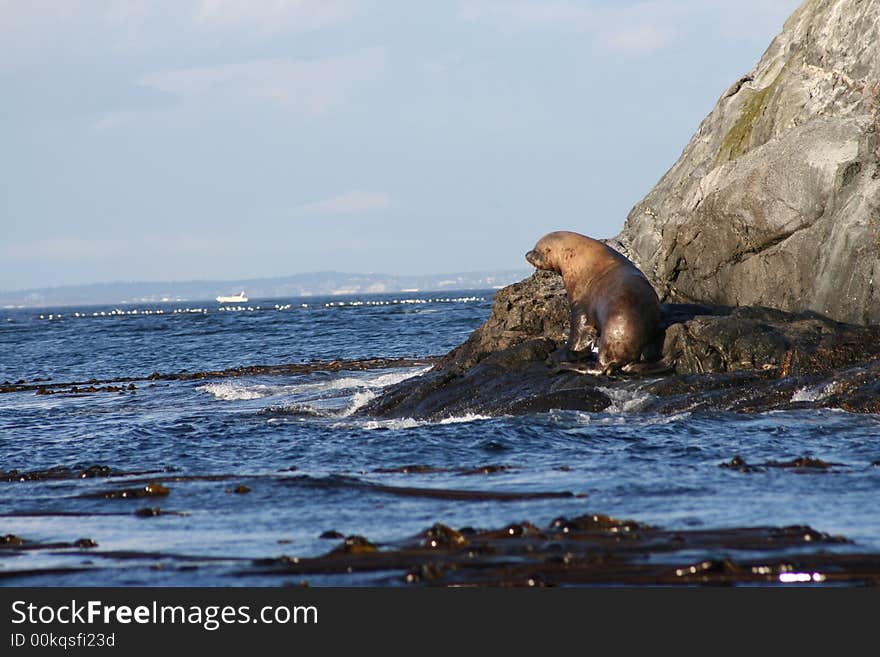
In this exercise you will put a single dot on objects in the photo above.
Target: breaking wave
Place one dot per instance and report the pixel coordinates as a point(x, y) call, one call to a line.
point(409, 423)
point(814, 393)
point(625, 400)
point(237, 390)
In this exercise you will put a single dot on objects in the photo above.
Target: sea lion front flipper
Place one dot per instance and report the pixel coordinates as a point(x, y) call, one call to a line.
point(565, 355)
point(583, 335)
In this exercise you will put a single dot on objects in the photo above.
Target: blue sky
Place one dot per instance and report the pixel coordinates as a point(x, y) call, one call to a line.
point(204, 139)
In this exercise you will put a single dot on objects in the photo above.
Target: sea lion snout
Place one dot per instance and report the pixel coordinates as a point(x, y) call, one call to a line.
point(538, 259)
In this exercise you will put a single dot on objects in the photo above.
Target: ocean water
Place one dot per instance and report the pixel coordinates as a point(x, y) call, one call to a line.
point(308, 458)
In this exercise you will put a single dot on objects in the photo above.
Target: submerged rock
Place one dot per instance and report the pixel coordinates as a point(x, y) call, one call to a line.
point(800, 464)
point(592, 549)
point(356, 545)
point(11, 539)
point(149, 490)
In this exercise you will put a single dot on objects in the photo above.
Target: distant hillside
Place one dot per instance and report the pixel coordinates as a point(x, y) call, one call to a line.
point(311, 284)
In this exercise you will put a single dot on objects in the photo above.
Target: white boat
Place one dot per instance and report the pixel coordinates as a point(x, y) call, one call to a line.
point(235, 298)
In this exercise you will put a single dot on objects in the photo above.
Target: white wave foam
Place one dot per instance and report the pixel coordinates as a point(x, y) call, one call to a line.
point(815, 393)
point(119, 312)
point(345, 383)
point(402, 423)
point(664, 419)
point(469, 417)
point(367, 387)
point(625, 400)
point(333, 384)
point(409, 423)
point(241, 390)
point(641, 420)
point(385, 380)
point(293, 410)
point(233, 391)
point(395, 302)
point(361, 398)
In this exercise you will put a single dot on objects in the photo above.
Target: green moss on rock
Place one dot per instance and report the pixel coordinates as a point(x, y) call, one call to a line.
point(738, 139)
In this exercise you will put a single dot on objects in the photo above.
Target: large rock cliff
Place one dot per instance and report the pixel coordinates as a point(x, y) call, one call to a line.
point(776, 199)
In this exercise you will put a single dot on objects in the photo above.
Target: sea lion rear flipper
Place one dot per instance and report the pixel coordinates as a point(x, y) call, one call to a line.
point(665, 366)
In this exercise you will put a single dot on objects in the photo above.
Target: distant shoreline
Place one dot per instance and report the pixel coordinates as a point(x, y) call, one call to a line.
point(300, 285)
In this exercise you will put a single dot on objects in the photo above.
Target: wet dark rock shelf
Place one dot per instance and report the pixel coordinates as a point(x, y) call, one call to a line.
point(588, 550)
point(747, 359)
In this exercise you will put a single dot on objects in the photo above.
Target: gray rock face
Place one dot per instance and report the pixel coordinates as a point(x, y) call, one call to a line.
point(776, 199)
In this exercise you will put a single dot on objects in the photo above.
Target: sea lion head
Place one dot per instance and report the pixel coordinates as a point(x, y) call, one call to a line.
point(553, 250)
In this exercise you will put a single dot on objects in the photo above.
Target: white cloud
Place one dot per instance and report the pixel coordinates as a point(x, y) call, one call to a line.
point(632, 28)
point(60, 249)
point(636, 39)
point(622, 28)
point(136, 247)
point(354, 202)
point(42, 30)
point(15, 14)
point(529, 14)
point(443, 64)
point(271, 16)
point(119, 13)
point(256, 15)
point(310, 87)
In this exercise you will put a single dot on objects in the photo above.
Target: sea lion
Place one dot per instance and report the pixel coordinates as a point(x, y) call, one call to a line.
point(613, 306)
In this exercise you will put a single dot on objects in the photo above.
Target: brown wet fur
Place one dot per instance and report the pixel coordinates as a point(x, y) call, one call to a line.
point(613, 306)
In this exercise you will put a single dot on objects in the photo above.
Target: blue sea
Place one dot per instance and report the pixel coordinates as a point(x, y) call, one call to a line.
point(302, 456)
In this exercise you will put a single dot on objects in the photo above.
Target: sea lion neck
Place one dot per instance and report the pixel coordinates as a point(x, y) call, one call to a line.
point(590, 264)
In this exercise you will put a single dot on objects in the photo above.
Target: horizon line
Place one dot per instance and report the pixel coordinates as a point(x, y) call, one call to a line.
point(257, 278)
